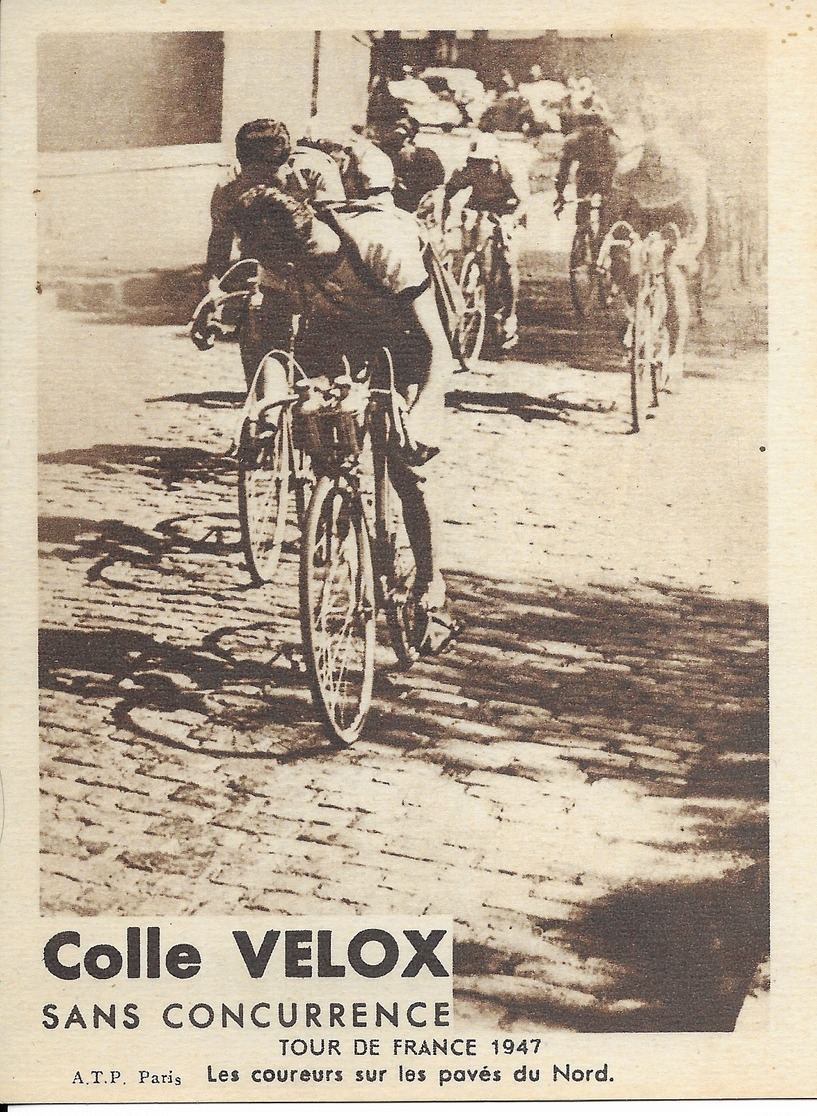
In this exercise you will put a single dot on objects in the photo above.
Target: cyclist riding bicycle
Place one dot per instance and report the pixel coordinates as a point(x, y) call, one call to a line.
point(496, 191)
point(364, 283)
point(265, 157)
point(658, 182)
point(590, 147)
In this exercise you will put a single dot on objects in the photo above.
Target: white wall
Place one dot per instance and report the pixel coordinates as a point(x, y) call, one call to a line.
point(145, 208)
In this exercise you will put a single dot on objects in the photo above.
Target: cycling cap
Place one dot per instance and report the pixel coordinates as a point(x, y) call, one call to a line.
point(263, 141)
point(484, 147)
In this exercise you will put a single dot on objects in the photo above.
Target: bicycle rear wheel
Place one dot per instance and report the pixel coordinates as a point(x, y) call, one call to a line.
point(338, 608)
point(472, 323)
point(264, 460)
point(396, 565)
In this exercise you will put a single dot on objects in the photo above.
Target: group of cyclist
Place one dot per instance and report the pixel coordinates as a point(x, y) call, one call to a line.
point(645, 175)
point(333, 222)
point(334, 249)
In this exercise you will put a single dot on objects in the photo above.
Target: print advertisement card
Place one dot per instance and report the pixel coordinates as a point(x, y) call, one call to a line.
point(407, 686)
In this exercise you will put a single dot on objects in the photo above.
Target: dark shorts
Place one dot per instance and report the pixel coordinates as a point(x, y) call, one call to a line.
point(321, 349)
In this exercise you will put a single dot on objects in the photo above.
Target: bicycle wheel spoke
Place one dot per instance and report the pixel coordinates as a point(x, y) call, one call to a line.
point(336, 608)
point(264, 479)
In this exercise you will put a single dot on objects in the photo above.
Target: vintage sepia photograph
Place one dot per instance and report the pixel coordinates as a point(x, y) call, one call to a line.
point(409, 540)
point(402, 499)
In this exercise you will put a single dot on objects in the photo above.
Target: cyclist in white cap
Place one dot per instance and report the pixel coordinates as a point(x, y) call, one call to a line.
point(493, 189)
point(365, 285)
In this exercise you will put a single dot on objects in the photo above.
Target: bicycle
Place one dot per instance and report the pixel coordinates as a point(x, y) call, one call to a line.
point(351, 563)
point(587, 278)
point(477, 281)
point(647, 334)
point(270, 466)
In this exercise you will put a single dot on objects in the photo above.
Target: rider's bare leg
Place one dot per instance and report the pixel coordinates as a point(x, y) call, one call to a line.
point(427, 410)
point(419, 490)
point(508, 276)
point(267, 326)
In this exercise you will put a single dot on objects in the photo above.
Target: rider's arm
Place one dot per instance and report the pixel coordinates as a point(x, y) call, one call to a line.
point(565, 166)
point(459, 180)
point(698, 198)
point(316, 176)
point(220, 243)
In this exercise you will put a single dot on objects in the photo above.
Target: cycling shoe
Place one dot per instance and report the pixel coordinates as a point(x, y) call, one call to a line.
point(440, 630)
point(417, 454)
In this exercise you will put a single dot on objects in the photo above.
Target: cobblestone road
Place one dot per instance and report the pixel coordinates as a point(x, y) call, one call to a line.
point(581, 782)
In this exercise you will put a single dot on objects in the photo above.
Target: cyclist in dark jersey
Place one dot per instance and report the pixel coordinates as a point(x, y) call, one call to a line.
point(590, 148)
point(266, 157)
point(494, 189)
point(417, 170)
point(660, 181)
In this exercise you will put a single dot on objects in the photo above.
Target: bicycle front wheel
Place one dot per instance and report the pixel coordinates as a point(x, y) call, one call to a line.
point(642, 369)
point(661, 342)
point(264, 457)
point(583, 281)
point(396, 566)
point(338, 608)
point(472, 323)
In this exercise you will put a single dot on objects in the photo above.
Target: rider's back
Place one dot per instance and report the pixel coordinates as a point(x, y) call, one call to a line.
point(492, 188)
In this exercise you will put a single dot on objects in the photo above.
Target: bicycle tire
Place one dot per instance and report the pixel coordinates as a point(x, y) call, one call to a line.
point(396, 566)
point(471, 332)
point(263, 493)
point(583, 282)
point(641, 362)
point(303, 483)
point(660, 338)
point(337, 606)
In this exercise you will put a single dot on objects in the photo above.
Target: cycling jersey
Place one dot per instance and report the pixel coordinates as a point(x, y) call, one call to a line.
point(666, 175)
point(308, 175)
point(492, 188)
point(592, 149)
point(418, 170)
point(669, 183)
point(380, 265)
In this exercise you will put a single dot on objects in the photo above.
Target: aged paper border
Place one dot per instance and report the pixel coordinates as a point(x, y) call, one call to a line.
point(777, 1062)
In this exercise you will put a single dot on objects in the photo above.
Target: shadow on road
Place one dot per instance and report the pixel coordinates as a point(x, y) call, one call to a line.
point(212, 399)
point(111, 542)
point(523, 405)
point(679, 956)
point(655, 691)
point(169, 464)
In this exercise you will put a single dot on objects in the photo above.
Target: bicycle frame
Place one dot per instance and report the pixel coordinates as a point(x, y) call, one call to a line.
point(588, 212)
